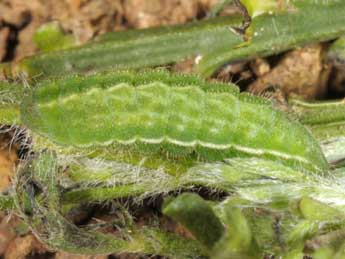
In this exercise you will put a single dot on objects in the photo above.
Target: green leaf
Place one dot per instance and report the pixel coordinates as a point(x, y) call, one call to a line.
point(315, 210)
point(238, 240)
point(197, 216)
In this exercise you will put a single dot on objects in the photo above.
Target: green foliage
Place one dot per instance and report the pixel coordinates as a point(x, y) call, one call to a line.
point(38, 202)
point(238, 240)
point(275, 27)
point(306, 21)
point(197, 216)
point(325, 119)
point(136, 49)
point(6, 203)
point(314, 210)
point(257, 183)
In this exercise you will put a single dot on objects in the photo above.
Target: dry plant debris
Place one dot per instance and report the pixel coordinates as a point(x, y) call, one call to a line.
point(8, 159)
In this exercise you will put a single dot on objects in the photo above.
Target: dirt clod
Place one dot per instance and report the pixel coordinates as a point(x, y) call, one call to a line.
point(143, 14)
point(8, 159)
point(20, 247)
point(84, 19)
point(299, 72)
point(7, 233)
point(260, 67)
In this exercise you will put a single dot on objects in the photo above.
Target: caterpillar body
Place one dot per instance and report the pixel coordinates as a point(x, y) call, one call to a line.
point(158, 112)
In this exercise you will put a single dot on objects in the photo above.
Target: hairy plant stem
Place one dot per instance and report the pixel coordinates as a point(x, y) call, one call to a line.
point(135, 49)
point(299, 23)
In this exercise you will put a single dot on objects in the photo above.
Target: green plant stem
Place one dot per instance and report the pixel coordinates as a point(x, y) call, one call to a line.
point(253, 183)
point(41, 213)
point(274, 184)
point(325, 119)
point(273, 33)
point(135, 49)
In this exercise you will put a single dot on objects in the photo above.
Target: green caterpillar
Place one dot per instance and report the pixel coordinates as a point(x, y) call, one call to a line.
point(171, 115)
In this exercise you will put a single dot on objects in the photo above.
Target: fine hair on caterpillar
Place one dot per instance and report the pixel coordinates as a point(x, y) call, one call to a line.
point(155, 113)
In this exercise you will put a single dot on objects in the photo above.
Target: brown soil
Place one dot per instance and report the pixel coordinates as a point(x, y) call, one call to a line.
point(8, 159)
point(299, 72)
